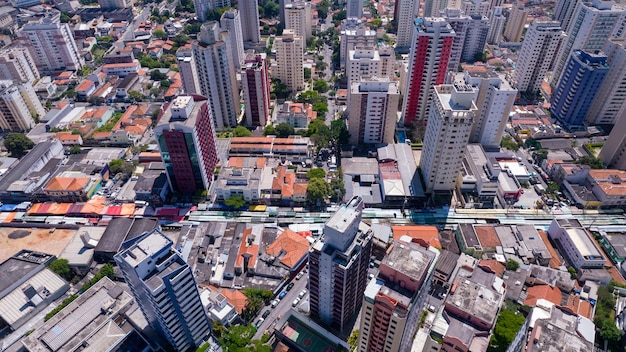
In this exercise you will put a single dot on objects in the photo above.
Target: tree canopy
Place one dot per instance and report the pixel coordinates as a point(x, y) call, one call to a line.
point(241, 131)
point(317, 192)
point(17, 144)
point(316, 173)
point(320, 86)
point(235, 202)
point(61, 267)
point(507, 326)
point(284, 130)
point(591, 161)
point(269, 130)
point(512, 265)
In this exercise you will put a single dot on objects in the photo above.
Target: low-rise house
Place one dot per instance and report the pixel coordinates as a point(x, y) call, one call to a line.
point(69, 138)
point(121, 69)
point(72, 187)
point(85, 89)
point(296, 115)
point(126, 85)
point(217, 307)
point(152, 187)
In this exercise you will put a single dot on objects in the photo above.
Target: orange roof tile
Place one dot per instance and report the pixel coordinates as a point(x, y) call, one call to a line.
point(84, 85)
point(551, 294)
point(492, 265)
point(67, 136)
point(67, 184)
point(136, 129)
point(578, 306)
point(236, 298)
point(425, 235)
point(487, 236)
point(300, 188)
point(291, 245)
point(101, 135)
point(554, 263)
point(247, 250)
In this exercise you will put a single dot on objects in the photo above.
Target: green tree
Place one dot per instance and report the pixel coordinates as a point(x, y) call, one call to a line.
point(337, 188)
point(316, 173)
point(159, 33)
point(319, 132)
point(241, 131)
point(193, 28)
point(542, 154)
point(307, 73)
point(235, 202)
point(338, 17)
point(269, 130)
point(135, 95)
point(320, 108)
point(591, 161)
point(17, 144)
point(339, 133)
point(180, 39)
point(317, 192)
point(65, 17)
point(61, 267)
point(280, 89)
point(608, 331)
point(508, 324)
point(157, 75)
point(121, 166)
point(75, 149)
point(508, 143)
point(552, 188)
point(321, 66)
point(320, 86)
point(322, 9)
point(271, 9)
point(512, 265)
point(376, 23)
point(256, 299)
point(353, 339)
point(284, 130)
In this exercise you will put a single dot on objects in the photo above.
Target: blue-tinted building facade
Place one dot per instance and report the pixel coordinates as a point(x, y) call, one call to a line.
point(577, 89)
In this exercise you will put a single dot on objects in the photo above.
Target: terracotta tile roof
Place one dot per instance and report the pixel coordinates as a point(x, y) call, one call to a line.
point(85, 85)
point(493, 266)
point(235, 297)
point(612, 182)
point(300, 188)
point(67, 136)
point(579, 306)
point(487, 236)
point(101, 135)
point(551, 294)
point(247, 250)
point(554, 263)
point(425, 234)
point(67, 184)
point(291, 245)
point(136, 129)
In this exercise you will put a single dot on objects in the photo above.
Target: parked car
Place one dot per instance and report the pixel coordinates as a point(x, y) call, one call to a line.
point(275, 303)
point(259, 322)
point(282, 294)
point(302, 293)
point(290, 286)
point(265, 314)
point(299, 276)
point(295, 302)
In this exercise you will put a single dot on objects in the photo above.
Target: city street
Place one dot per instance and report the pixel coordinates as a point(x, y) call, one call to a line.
point(283, 307)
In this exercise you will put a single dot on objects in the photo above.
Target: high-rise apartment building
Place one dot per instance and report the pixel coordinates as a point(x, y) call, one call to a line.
point(231, 21)
point(592, 24)
point(563, 12)
point(115, 4)
point(471, 36)
point(354, 9)
point(289, 60)
point(187, 69)
point(338, 263)
point(447, 133)
point(613, 153)
point(217, 78)
point(249, 12)
point(187, 142)
point(51, 44)
point(611, 97)
point(515, 26)
point(298, 18)
point(165, 290)
point(405, 12)
point(362, 63)
point(16, 64)
point(475, 8)
point(580, 83)
point(373, 111)
point(202, 7)
point(428, 65)
point(256, 90)
point(434, 8)
point(354, 33)
point(535, 59)
point(18, 105)
point(390, 304)
point(494, 103)
point(496, 25)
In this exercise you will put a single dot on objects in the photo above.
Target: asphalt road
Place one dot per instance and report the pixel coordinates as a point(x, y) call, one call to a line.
point(283, 307)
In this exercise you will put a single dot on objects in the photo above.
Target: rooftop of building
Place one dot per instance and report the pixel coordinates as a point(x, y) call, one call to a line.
point(22, 264)
point(346, 215)
point(88, 321)
point(475, 298)
point(180, 102)
point(20, 170)
point(421, 234)
point(612, 182)
point(307, 335)
point(289, 248)
point(359, 166)
point(446, 262)
point(552, 335)
point(147, 246)
point(409, 259)
point(122, 229)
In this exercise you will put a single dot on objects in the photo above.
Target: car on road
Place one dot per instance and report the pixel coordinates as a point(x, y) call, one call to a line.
point(275, 303)
point(282, 294)
point(265, 314)
point(259, 322)
point(295, 302)
point(290, 286)
point(299, 276)
point(302, 293)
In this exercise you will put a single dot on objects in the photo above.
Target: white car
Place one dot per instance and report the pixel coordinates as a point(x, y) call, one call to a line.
point(275, 303)
point(299, 276)
point(302, 293)
point(295, 302)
